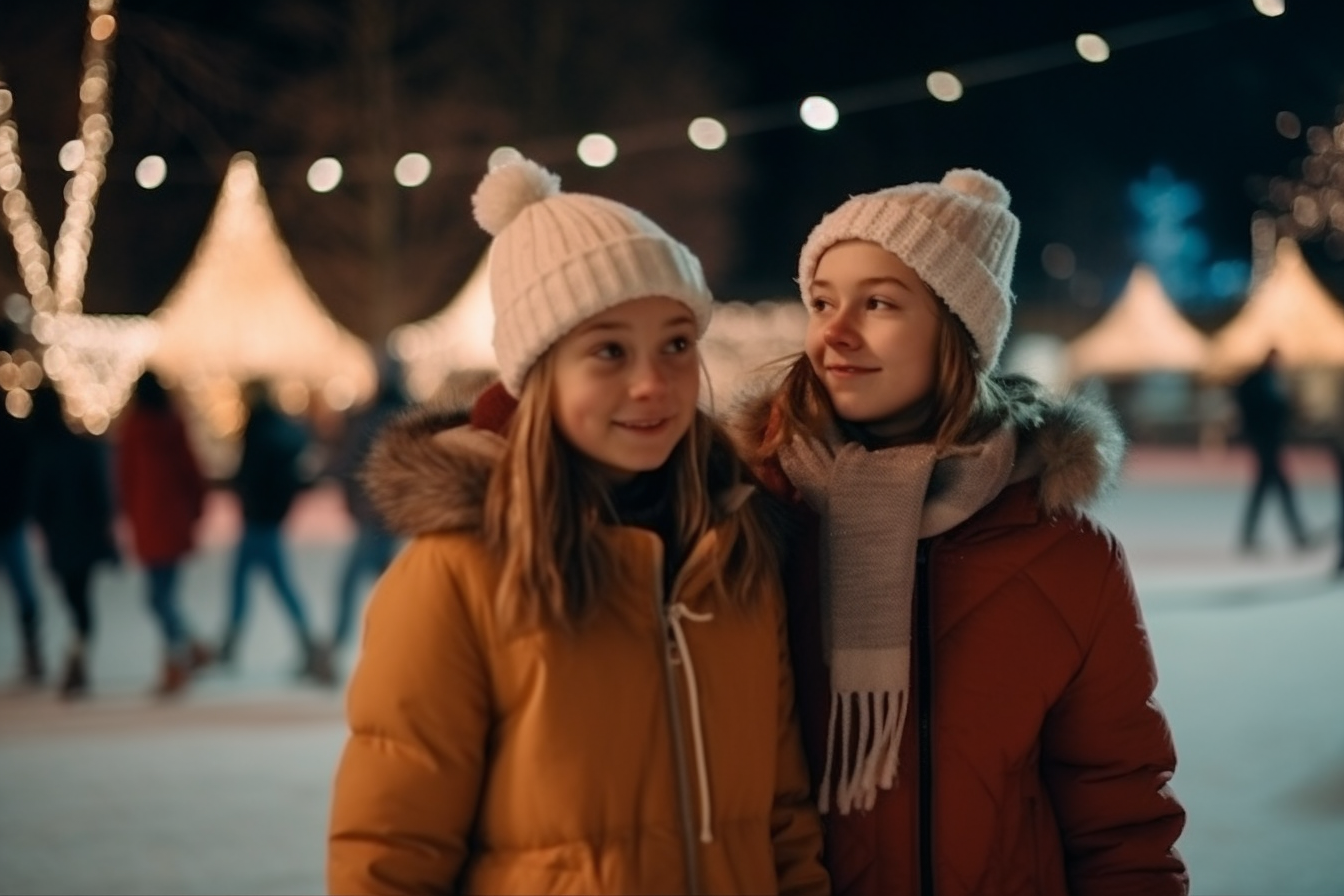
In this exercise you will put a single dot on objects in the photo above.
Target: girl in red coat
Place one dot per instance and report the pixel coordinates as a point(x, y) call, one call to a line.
point(974, 677)
point(162, 493)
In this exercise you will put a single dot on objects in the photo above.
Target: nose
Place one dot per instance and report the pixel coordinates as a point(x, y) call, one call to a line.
point(840, 331)
point(648, 379)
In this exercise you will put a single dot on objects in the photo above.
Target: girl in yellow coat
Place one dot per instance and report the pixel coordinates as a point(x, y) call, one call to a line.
point(575, 679)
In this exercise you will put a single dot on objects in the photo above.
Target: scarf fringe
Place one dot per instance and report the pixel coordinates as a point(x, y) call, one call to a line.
point(868, 756)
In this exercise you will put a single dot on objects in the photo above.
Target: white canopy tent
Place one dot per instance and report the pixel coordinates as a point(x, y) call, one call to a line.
point(1142, 332)
point(456, 340)
point(242, 310)
point(1290, 310)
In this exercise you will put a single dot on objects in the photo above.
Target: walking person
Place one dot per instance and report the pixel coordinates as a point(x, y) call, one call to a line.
point(73, 506)
point(16, 472)
point(162, 492)
point(374, 544)
point(1266, 415)
point(575, 679)
point(268, 479)
point(975, 682)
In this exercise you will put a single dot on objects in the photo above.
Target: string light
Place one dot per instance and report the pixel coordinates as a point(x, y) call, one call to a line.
point(1312, 207)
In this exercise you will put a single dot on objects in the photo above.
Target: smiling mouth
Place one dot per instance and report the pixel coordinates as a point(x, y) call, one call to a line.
point(850, 369)
point(643, 425)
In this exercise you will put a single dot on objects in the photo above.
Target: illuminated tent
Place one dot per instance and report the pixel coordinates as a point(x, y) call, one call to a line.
point(456, 340)
point(242, 310)
point(1142, 332)
point(1290, 310)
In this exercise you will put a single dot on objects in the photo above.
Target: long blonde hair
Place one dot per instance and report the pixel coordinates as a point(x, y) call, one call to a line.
point(545, 499)
point(962, 396)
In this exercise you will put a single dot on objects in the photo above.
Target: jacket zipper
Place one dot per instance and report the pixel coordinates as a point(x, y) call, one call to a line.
point(924, 677)
point(678, 744)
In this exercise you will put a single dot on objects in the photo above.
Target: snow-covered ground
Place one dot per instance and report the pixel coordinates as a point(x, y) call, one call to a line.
point(226, 790)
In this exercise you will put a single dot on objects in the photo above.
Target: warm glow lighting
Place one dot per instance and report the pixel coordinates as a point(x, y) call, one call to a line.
point(6, 100)
point(1269, 8)
point(412, 169)
point(1092, 47)
point(1058, 261)
point(597, 150)
point(151, 171)
point(503, 155)
point(71, 155)
point(707, 133)
point(324, 175)
point(1288, 125)
point(19, 403)
point(102, 27)
point(944, 86)
point(819, 113)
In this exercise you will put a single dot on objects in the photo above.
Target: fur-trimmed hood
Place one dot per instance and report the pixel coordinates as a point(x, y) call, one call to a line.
point(429, 469)
point(1075, 441)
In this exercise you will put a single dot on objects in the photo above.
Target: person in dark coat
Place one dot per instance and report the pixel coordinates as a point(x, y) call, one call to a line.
point(16, 463)
point(268, 480)
point(374, 545)
point(162, 493)
point(73, 506)
point(1266, 414)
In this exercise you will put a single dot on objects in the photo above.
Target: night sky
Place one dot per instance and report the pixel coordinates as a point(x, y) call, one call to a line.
point(196, 82)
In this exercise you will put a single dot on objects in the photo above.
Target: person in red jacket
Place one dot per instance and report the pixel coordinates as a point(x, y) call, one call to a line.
point(162, 494)
point(974, 678)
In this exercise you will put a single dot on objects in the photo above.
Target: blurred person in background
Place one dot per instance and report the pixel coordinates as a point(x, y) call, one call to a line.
point(73, 506)
point(269, 478)
point(1266, 414)
point(16, 462)
point(162, 493)
point(374, 545)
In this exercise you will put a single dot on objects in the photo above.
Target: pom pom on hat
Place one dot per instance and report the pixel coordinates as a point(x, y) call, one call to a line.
point(507, 190)
point(959, 236)
point(560, 258)
point(974, 182)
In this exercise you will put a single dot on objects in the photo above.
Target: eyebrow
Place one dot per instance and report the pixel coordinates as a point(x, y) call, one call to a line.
point(869, 281)
point(599, 327)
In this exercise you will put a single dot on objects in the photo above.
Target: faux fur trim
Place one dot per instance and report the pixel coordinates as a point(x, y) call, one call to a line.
point(428, 471)
point(1076, 439)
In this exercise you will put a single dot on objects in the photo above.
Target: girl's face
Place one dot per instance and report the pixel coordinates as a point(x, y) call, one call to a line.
point(626, 384)
point(872, 336)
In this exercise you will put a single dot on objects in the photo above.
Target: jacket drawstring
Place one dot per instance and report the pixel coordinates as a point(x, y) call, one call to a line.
point(675, 613)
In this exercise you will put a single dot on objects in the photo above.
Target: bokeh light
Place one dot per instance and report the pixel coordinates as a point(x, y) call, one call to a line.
point(1269, 7)
point(151, 172)
point(707, 133)
point(71, 155)
point(324, 175)
point(1288, 125)
point(1058, 261)
point(412, 169)
point(944, 86)
point(1092, 47)
point(102, 27)
point(597, 150)
point(819, 113)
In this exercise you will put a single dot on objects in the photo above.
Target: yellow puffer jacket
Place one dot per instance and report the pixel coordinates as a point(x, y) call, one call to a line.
point(609, 760)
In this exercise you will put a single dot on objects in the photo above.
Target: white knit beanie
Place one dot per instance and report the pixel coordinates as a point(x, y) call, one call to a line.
point(560, 258)
point(958, 235)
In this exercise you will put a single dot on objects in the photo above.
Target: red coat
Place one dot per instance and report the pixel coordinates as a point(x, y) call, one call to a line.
point(1049, 758)
point(161, 487)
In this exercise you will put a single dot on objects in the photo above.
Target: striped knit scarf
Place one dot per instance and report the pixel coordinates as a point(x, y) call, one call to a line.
point(874, 508)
